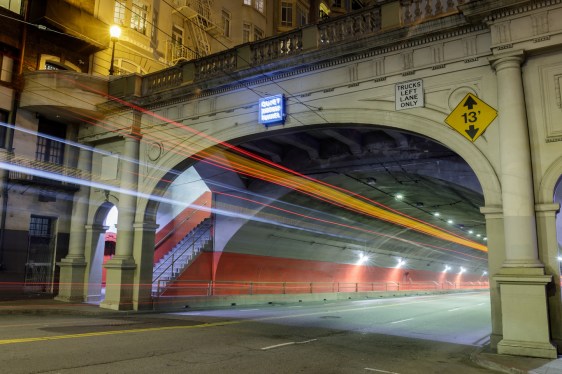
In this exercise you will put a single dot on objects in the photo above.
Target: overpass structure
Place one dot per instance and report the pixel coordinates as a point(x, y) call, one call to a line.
point(370, 125)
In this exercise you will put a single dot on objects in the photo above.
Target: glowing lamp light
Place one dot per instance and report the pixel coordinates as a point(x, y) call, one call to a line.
point(399, 196)
point(462, 270)
point(115, 32)
point(450, 221)
point(400, 263)
point(363, 258)
point(436, 214)
point(447, 268)
point(484, 273)
point(559, 258)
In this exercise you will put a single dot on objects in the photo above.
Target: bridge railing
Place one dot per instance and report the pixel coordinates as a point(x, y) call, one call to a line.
point(385, 16)
point(183, 288)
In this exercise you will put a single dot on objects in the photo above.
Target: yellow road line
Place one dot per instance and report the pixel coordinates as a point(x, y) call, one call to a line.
point(204, 325)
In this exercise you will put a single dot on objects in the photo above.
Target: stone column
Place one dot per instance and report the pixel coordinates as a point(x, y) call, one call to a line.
point(145, 234)
point(121, 268)
point(72, 284)
point(522, 279)
point(548, 253)
point(496, 257)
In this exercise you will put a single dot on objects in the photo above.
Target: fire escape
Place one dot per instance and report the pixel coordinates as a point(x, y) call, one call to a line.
point(201, 24)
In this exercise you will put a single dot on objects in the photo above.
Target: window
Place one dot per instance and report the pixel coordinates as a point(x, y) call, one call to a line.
point(258, 33)
point(246, 31)
point(226, 23)
point(119, 12)
point(51, 65)
point(139, 12)
point(50, 142)
point(258, 4)
point(12, 5)
point(3, 130)
point(40, 227)
point(286, 13)
point(177, 35)
point(6, 66)
point(302, 16)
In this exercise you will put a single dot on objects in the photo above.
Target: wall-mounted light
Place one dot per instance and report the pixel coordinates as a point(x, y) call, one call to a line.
point(363, 258)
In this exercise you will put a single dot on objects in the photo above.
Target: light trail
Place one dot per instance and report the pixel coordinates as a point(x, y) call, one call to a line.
point(274, 173)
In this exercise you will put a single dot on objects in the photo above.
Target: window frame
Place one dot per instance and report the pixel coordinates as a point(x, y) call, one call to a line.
point(139, 16)
point(286, 14)
point(226, 18)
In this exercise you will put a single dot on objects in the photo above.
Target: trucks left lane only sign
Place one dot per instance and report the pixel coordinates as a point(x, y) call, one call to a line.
point(409, 94)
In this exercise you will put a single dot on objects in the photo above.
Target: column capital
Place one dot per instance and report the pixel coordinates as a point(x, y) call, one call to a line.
point(145, 226)
point(492, 211)
point(96, 227)
point(507, 59)
point(547, 208)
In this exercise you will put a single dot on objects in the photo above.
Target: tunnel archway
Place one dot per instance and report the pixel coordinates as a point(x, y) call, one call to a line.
point(404, 123)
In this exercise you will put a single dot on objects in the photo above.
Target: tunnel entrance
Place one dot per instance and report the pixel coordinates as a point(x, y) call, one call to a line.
point(270, 230)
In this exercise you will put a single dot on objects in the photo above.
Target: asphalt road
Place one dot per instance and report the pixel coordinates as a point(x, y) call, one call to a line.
point(430, 334)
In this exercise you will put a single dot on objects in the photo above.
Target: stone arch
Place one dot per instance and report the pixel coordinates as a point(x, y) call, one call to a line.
point(428, 123)
point(550, 181)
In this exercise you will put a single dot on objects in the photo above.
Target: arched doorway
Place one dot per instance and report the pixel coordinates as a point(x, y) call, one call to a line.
point(102, 235)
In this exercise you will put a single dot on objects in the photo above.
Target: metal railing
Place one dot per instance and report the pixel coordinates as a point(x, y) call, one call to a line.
point(179, 258)
point(177, 225)
point(181, 288)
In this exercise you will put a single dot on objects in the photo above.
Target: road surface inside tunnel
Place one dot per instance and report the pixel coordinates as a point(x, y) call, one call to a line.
point(422, 334)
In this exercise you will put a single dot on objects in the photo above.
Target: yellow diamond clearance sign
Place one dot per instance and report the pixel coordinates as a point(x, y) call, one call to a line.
point(471, 117)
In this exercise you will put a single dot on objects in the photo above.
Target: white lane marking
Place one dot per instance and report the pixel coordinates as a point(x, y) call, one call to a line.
point(285, 344)
point(247, 310)
point(452, 310)
point(402, 320)
point(381, 371)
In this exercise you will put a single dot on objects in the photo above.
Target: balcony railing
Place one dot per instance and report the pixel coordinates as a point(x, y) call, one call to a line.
point(375, 20)
point(177, 52)
point(47, 174)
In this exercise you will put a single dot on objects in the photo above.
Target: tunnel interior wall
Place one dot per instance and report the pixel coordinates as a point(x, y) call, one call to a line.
point(237, 267)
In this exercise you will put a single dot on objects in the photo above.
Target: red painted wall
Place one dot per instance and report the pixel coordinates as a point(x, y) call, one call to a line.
point(177, 229)
point(251, 268)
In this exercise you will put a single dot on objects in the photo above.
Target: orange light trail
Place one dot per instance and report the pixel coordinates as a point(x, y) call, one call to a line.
point(273, 173)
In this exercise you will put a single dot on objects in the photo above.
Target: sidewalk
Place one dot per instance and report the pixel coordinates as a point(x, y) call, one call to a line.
point(482, 356)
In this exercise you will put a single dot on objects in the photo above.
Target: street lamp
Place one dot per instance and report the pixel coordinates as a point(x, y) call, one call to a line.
point(115, 33)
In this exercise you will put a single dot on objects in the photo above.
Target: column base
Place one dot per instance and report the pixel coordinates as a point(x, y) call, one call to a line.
point(119, 284)
point(524, 348)
point(524, 310)
point(71, 282)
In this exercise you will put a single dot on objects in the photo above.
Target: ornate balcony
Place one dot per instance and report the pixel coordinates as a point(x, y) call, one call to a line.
point(67, 95)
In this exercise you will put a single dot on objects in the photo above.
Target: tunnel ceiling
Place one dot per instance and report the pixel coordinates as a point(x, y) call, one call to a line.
point(376, 163)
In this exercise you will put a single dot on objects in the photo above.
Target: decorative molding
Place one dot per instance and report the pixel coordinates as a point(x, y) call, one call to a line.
point(541, 39)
